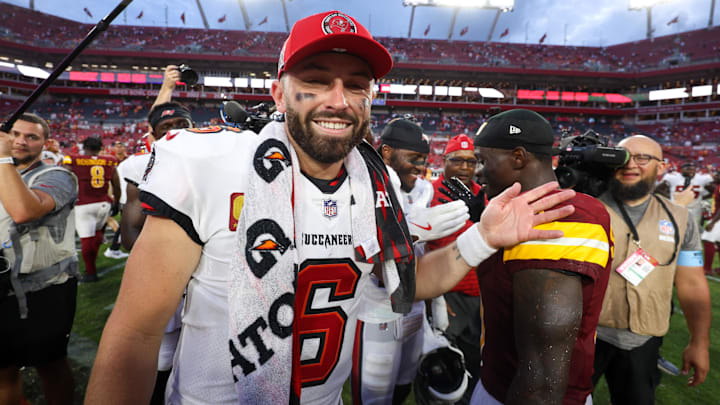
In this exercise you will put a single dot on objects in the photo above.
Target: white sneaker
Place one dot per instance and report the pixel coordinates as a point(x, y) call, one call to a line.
point(115, 254)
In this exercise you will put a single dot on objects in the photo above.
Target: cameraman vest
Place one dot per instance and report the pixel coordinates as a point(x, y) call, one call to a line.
point(644, 309)
point(40, 253)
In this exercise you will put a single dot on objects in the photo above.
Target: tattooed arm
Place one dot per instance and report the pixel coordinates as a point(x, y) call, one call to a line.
point(547, 311)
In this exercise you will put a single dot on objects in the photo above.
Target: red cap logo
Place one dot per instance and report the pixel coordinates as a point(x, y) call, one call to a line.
point(166, 113)
point(335, 23)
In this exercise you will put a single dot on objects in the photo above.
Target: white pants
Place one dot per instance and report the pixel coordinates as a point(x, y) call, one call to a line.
point(390, 353)
point(90, 218)
point(713, 235)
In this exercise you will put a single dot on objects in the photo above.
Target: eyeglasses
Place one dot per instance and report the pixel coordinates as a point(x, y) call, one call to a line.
point(642, 159)
point(459, 162)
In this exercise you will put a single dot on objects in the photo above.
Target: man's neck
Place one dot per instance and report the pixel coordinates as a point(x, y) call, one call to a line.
point(313, 168)
point(536, 178)
point(636, 202)
point(22, 166)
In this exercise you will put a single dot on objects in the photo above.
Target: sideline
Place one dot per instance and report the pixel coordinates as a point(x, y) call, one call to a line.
point(119, 266)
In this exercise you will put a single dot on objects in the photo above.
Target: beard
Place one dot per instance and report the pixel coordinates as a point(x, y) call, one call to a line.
point(632, 192)
point(321, 148)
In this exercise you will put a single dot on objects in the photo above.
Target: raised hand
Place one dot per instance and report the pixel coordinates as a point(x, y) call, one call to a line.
point(510, 218)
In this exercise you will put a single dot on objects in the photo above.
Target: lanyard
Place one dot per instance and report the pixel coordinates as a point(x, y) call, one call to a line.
point(636, 237)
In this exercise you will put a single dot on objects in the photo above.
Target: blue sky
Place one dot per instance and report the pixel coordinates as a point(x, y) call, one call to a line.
point(583, 22)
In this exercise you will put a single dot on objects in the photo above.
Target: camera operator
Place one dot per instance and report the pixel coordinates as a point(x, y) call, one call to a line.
point(37, 232)
point(657, 245)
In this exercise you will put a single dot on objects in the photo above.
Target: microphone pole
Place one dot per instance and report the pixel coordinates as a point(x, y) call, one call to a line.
point(100, 27)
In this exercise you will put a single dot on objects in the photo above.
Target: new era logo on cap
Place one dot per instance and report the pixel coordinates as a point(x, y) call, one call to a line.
point(514, 130)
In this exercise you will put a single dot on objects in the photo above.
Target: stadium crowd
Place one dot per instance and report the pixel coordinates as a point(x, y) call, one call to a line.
point(122, 120)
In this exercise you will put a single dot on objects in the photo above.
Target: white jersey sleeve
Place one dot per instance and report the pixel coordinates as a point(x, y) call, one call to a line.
point(132, 169)
point(184, 173)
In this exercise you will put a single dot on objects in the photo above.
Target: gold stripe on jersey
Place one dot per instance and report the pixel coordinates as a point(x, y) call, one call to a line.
point(582, 242)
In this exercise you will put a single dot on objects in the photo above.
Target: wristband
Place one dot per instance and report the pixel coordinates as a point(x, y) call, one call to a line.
point(472, 246)
point(8, 159)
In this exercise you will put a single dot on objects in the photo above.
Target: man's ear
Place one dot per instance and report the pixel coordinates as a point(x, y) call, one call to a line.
point(277, 91)
point(385, 152)
point(520, 157)
point(662, 167)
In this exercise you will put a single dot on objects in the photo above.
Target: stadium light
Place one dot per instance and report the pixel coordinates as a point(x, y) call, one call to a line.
point(217, 81)
point(486, 92)
point(639, 5)
point(501, 6)
point(702, 91)
point(643, 4)
point(32, 71)
point(668, 94)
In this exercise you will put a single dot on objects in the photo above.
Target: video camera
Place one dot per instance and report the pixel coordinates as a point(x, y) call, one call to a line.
point(587, 163)
point(254, 119)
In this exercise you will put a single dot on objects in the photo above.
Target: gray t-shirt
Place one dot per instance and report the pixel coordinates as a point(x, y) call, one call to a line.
point(56, 183)
point(624, 338)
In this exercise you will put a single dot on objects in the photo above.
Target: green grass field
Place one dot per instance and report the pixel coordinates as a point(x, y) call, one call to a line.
point(95, 301)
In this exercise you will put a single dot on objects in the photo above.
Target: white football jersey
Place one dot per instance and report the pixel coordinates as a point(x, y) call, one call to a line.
point(199, 180)
point(330, 277)
point(697, 183)
point(195, 179)
point(132, 169)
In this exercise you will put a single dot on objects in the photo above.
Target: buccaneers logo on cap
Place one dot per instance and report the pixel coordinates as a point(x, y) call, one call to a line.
point(167, 112)
point(335, 23)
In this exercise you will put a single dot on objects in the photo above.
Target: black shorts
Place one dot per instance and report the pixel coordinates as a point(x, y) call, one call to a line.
point(44, 335)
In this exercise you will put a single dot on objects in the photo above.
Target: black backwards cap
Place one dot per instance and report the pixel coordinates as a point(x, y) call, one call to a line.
point(165, 111)
point(514, 128)
point(404, 134)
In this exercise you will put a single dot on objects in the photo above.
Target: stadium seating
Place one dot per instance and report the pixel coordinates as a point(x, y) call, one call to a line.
point(22, 25)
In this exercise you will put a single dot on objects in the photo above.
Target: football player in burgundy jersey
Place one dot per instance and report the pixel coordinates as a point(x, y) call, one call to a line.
point(541, 300)
point(202, 181)
point(95, 173)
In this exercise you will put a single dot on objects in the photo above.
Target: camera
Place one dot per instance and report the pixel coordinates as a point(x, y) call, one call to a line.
point(187, 75)
point(254, 119)
point(586, 163)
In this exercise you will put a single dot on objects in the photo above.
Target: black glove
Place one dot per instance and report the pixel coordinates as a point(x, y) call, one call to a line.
point(457, 190)
point(115, 209)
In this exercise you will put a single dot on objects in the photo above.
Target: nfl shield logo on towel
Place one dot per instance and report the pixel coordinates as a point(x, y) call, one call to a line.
point(329, 208)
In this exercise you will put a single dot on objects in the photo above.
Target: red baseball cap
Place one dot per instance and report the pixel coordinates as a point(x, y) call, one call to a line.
point(333, 31)
point(460, 142)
